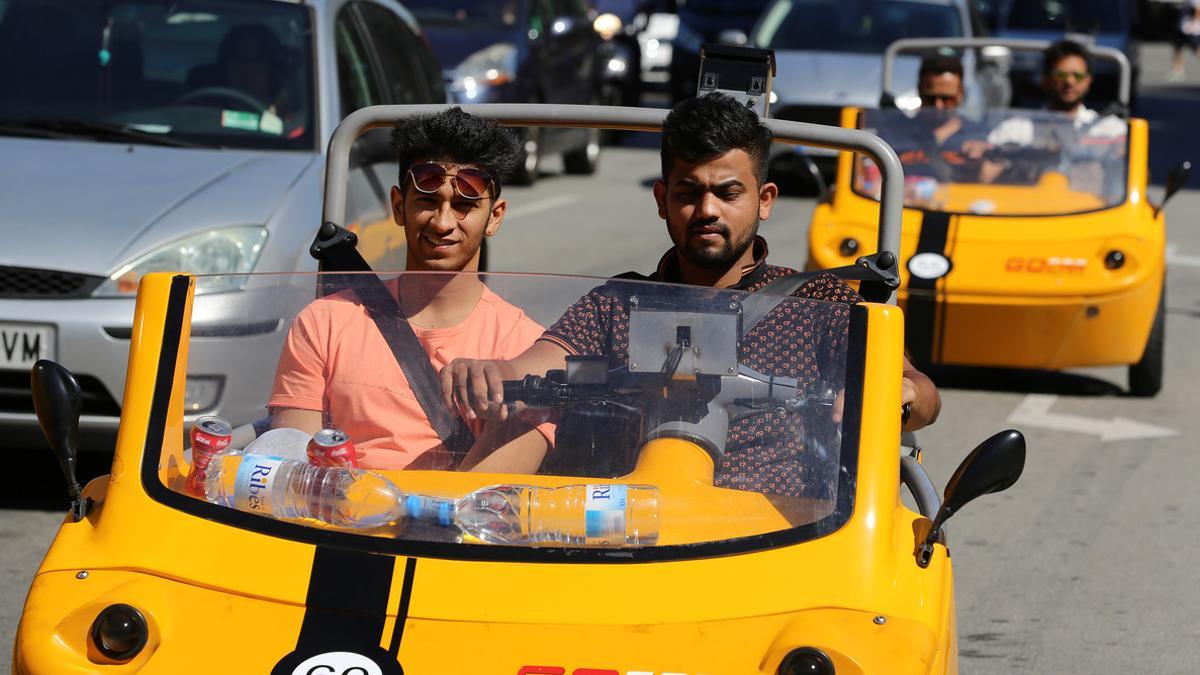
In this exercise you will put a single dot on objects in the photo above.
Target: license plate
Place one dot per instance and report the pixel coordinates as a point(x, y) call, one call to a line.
point(22, 344)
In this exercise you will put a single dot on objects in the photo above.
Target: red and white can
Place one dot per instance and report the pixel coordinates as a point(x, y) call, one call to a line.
point(210, 435)
point(330, 447)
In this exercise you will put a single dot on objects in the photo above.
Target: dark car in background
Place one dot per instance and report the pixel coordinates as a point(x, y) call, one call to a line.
point(521, 51)
point(701, 22)
point(1107, 23)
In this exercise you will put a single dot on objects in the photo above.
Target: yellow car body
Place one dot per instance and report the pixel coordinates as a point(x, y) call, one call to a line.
point(1021, 292)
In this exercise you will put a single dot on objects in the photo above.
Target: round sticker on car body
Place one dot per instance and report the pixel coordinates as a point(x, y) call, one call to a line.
point(338, 663)
point(929, 265)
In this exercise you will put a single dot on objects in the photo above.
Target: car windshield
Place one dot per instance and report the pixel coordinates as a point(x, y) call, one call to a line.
point(211, 73)
point(1010, 162)
point(863, 26)
point(1084, 16)
point(475, 12)
point(706, 415)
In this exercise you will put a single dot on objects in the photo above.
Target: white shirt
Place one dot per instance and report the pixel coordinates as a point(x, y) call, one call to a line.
point(1020, 130)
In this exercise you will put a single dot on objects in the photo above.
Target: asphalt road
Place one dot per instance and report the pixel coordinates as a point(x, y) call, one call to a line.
point(1085, 566)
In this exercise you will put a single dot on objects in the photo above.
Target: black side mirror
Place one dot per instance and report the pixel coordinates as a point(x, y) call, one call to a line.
point(993, 466)
point(58, 401)
point(1176, 180)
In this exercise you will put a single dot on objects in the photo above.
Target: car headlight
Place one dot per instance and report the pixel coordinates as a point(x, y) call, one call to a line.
point(230, 251)
point(490, 66)
point(607, 25)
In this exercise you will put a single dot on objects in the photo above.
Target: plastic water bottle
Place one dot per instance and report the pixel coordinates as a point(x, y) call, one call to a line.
point(294, 489)
point(599, 515)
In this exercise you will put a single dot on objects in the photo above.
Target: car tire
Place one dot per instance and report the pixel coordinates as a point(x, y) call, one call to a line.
point(1146, 376)
point(583, 161)
point(531, 160)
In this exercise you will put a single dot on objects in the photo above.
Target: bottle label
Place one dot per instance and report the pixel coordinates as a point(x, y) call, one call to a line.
point(604, 513)
point(255, 476)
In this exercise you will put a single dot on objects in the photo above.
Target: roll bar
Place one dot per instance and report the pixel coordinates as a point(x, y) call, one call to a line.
point(914, 44)
point(337, 165)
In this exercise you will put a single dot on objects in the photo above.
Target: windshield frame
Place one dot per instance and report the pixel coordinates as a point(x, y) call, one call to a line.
point(175, 328)
point(1125, 188)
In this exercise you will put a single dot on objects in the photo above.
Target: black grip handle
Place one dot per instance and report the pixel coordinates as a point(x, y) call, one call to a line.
point(514, 390)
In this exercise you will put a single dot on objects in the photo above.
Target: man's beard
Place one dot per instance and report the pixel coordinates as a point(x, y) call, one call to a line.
point(722, 257)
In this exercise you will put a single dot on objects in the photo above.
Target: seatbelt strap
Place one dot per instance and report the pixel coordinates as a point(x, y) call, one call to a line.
point(341, 255)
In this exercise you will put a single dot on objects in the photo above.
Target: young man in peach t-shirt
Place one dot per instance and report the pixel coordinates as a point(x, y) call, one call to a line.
point(336, 368)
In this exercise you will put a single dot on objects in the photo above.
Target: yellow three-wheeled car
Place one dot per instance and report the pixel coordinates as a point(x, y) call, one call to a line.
point(1056, 260)
point(438, 571)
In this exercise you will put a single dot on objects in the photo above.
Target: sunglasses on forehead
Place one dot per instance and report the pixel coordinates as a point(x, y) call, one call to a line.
point(468, 183)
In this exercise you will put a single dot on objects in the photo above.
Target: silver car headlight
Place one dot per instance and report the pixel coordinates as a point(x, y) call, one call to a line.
point(490, 66)
point(230, 251)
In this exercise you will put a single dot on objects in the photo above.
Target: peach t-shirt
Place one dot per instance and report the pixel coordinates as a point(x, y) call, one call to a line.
point(336, 360)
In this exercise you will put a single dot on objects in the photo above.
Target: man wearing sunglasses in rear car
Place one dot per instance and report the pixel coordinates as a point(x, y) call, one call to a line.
point(338, 370)
point(1089, 139)
point(938, 142)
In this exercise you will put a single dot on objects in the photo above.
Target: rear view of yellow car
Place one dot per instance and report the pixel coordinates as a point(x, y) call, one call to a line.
point(1041, 252)
point(274, 565)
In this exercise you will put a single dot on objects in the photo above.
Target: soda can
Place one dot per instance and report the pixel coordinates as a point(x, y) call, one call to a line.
point(330, 447)
point(210, 435)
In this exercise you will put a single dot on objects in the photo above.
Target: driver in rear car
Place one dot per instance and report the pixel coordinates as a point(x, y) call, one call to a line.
point(337, 369)
point(712, 195)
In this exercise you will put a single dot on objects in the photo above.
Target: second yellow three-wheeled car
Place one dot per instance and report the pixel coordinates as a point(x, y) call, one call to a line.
point(1056, 260)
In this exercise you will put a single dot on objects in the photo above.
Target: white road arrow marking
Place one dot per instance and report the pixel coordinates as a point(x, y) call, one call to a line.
point(1174, 257)
point(1034, 410)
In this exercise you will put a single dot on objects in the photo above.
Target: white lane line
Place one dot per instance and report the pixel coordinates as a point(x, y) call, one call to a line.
point(1175, 258)
point(1034, 410)
point(549, 203)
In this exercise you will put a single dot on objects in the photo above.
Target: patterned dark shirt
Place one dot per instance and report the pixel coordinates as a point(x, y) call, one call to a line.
point(764, 452)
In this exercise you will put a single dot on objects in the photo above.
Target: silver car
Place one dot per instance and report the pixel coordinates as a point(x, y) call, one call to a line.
point(829, 54)
point(187, 135)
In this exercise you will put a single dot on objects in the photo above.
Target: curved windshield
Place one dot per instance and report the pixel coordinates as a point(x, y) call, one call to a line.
point(863, 26)
point(1009, 163)
point(212, 73)
point(651, 415)
point(490, 12)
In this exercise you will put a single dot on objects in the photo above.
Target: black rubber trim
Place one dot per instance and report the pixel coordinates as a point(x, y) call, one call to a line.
point(921, 310)
point(172, 330)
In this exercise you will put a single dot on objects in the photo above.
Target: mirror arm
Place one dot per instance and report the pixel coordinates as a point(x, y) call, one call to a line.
point(936, 535)
point(1175, 182)
point(80, 506)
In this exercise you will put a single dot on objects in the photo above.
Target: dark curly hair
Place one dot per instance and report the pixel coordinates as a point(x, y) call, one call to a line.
point(939, 64)
point(454, 136)
point(710, 126)
point(1061, 50)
